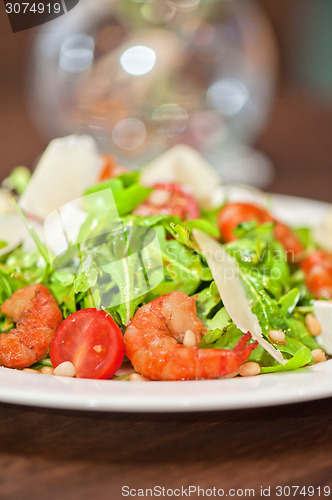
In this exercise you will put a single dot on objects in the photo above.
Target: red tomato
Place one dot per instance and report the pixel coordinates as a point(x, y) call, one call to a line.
point(110, 168)
point(233, 214)
point(169, 199)
point(317, 267)
point(289, 241)
point(92, 341)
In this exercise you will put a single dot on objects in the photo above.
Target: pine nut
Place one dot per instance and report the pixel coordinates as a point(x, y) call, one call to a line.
point(47, 370)
point(318, 355)
point(189, 339)
point(136, 377)
point(66, 369)
point(30, 370)
point(313, 325)
point(159, 197)
point(249, 369)
point(277, 337)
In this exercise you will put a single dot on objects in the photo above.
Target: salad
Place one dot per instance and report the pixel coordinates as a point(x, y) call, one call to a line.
point(154, 274)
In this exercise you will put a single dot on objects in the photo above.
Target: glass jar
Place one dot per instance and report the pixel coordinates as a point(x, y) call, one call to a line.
point(143, 75)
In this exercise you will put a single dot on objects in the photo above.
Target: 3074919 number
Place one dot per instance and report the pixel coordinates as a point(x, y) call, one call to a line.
point(33, 8)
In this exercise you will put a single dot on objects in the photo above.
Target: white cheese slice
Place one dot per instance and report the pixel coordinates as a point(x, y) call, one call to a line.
point(68, 166)
point(225, 272)
point(62, 226)
point(14, 232)
point(186, 166)
point(323, 231)
point(6, 206)
point(323, 312)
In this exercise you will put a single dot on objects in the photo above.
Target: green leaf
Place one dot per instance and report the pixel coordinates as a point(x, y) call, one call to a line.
point(129, 198)
point(211, 215)
point(183, 268)
point(206, 301)
point(85, 280)
point(288, 302)
point(113, 184)
point(301, 356)
point(181, 231)
point(40, 246)
point(62, 288)
point(126, 196)
point(264, 306)
point(18, 180)
point(250, 230)
point(298, 331)
point(220, 320)
point(5, 288)
point(127, 276)
point(219, 338)
point(129, 178)
point(203, 225)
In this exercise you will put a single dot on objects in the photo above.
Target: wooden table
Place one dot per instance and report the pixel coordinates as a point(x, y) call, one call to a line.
point(60, 454)
point(53, 454)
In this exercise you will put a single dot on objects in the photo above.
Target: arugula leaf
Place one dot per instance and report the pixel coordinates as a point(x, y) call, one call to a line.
point(211, 215)
point(301, 356)
point(129, 198)
point(113, 184)
point(181, 231)
point(297, 330)
point(221, 338)
point(206, 301)
point(288, 302)
point(220, 320)
point(62, 288)
point(85, 280)
point(124, 273)
point(183, 269)
point(40, 246)
point(127, 195)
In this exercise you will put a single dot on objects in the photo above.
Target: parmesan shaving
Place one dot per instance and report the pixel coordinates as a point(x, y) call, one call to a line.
point(68, 166)
point(225, 272)
point(186, 166)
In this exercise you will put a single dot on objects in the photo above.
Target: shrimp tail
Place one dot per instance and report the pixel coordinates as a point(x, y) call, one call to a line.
point(242, 347)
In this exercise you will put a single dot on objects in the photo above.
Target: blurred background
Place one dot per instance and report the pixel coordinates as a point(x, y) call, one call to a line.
point(249, 83)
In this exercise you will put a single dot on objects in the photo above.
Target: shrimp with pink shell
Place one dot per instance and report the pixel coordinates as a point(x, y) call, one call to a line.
point(162, 343)
point(37, 316)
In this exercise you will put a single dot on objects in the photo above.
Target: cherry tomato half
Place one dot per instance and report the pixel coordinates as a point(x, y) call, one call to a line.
point(169, 199)
point(92, 341)
point(317, 267)
point(233, 214)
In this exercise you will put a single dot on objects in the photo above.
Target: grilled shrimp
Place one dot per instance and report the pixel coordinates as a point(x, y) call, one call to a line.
point(37, 316)
point(154, 343)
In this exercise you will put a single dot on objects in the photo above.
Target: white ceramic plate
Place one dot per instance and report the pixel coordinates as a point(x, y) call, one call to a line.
point(104, 395)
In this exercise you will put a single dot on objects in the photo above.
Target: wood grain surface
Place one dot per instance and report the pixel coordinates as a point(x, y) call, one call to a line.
point(53, 454)
point(59, 454)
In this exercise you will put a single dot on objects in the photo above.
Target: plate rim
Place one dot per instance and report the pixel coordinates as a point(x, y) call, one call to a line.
point(23, 388)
